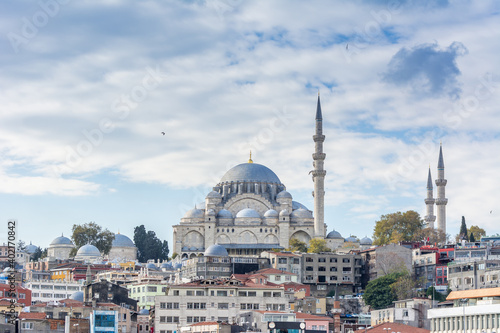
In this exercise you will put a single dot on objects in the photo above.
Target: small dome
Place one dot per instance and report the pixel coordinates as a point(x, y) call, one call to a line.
point(166, 265)
point(301, 213)
point(31, 248)
point(214, 195)
point(248, 212)
point(122, 241)
point(77, 296)
point(88, 250)
point(366, 241)
point(224, 214)
point(271, 213)
point(178, 265)
point(351, 239)
point(297, 205)
point(334, 234)
point(61, 240)
point(193, 248)
point(216, 250)
point(194, 213)
point(144, 312)
point(284, 194)
point(151, 266)
point(284, 212)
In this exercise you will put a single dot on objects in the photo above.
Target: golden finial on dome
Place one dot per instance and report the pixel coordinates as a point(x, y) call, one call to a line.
point(250, 159)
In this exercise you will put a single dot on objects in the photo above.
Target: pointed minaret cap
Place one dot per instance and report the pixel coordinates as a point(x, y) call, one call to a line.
point(250, 159)
point(319, 116)
point(429, 180)
point(441, 161)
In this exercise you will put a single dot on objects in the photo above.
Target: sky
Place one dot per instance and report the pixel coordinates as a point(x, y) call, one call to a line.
point(88, 87)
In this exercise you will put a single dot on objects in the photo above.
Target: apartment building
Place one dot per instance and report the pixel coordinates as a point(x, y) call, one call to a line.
point(214, 300)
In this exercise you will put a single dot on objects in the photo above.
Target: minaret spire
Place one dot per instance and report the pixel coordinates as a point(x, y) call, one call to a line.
point(441, 200)
point(429, 202)
point(318, 175)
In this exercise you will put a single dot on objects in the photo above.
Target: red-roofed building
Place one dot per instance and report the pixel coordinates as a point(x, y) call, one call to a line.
point(23, 295)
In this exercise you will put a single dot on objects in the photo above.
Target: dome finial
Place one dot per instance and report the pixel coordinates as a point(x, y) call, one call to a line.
point(250, 159)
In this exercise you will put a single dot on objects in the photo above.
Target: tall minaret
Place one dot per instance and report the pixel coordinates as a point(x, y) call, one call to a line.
point(429, 202)
point(318, 175)
point(441, 201)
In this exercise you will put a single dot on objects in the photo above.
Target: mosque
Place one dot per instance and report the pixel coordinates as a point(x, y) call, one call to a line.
point(250, 211)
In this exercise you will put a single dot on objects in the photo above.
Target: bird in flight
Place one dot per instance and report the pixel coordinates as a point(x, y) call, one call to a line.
point(163, 133)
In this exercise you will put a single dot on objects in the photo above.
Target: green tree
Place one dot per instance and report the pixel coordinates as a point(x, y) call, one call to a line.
point(379, 294)
point(406, 286)
point(476, 232)
point(431, 235)
point(397, 227)
point(92, 233)
point(462, 235)
point(472, 239)
point(297, 245)
point(432, 293)
point(317, 245)
point(38, 254)
point(149, 246)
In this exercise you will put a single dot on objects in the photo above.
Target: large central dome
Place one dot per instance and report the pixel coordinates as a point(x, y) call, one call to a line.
point(250, 172)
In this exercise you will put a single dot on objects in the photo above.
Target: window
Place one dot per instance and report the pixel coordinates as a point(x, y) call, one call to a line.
point(163, 319)
point(321, 269)
point(163, 305)
point(252, 293)
point(221, 292)
point(282, 261)
point(321, 259)
point(276, 294)
point(27, 326)
point(346, 270)
point(321, 287)
point(200, 293)
point(346, 260)
point(333, 259)
point(267, 294)
point(189, 292)
point(309, 268)
point(309, 259)
point(278, 278)
point(223, 306)
point(333, 269)
point(333, 278)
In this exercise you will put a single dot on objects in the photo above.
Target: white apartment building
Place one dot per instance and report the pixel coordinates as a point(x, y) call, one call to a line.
point(473, 311)
point(52, 290)
point(213, 300)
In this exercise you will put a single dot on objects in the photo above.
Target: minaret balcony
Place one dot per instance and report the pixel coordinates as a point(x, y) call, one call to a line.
point(318, 138)
point(441, 182)
point(441, 201)
point(429, 201)
point(320, 173)
point(319, 156)
point(430, 218)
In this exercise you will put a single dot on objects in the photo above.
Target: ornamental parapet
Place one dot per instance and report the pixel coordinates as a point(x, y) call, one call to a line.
point(441, 201)
point(441, 182)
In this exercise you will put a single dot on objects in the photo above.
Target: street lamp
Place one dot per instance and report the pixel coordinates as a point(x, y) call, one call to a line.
point(463, 301)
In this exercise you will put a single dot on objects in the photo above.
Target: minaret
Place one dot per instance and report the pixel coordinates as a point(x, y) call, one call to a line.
point(441, 201)
point(318, 175)
point(429, 202)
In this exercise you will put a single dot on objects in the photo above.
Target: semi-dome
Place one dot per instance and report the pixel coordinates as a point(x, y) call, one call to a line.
point(271, 213)
point(214, 195)
point(224, 214)
point(366, 241)
point(248, 212)
point(211, 212)
point(88, 250)
point(284, 194)
point(334, 234)
point(216, 250)
point(178, 265)
point(297, 205)
point(301, 213)
point(194, 213)
point(61, 240)
point(122, 241)
point(250, 172)
point(166, 265)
